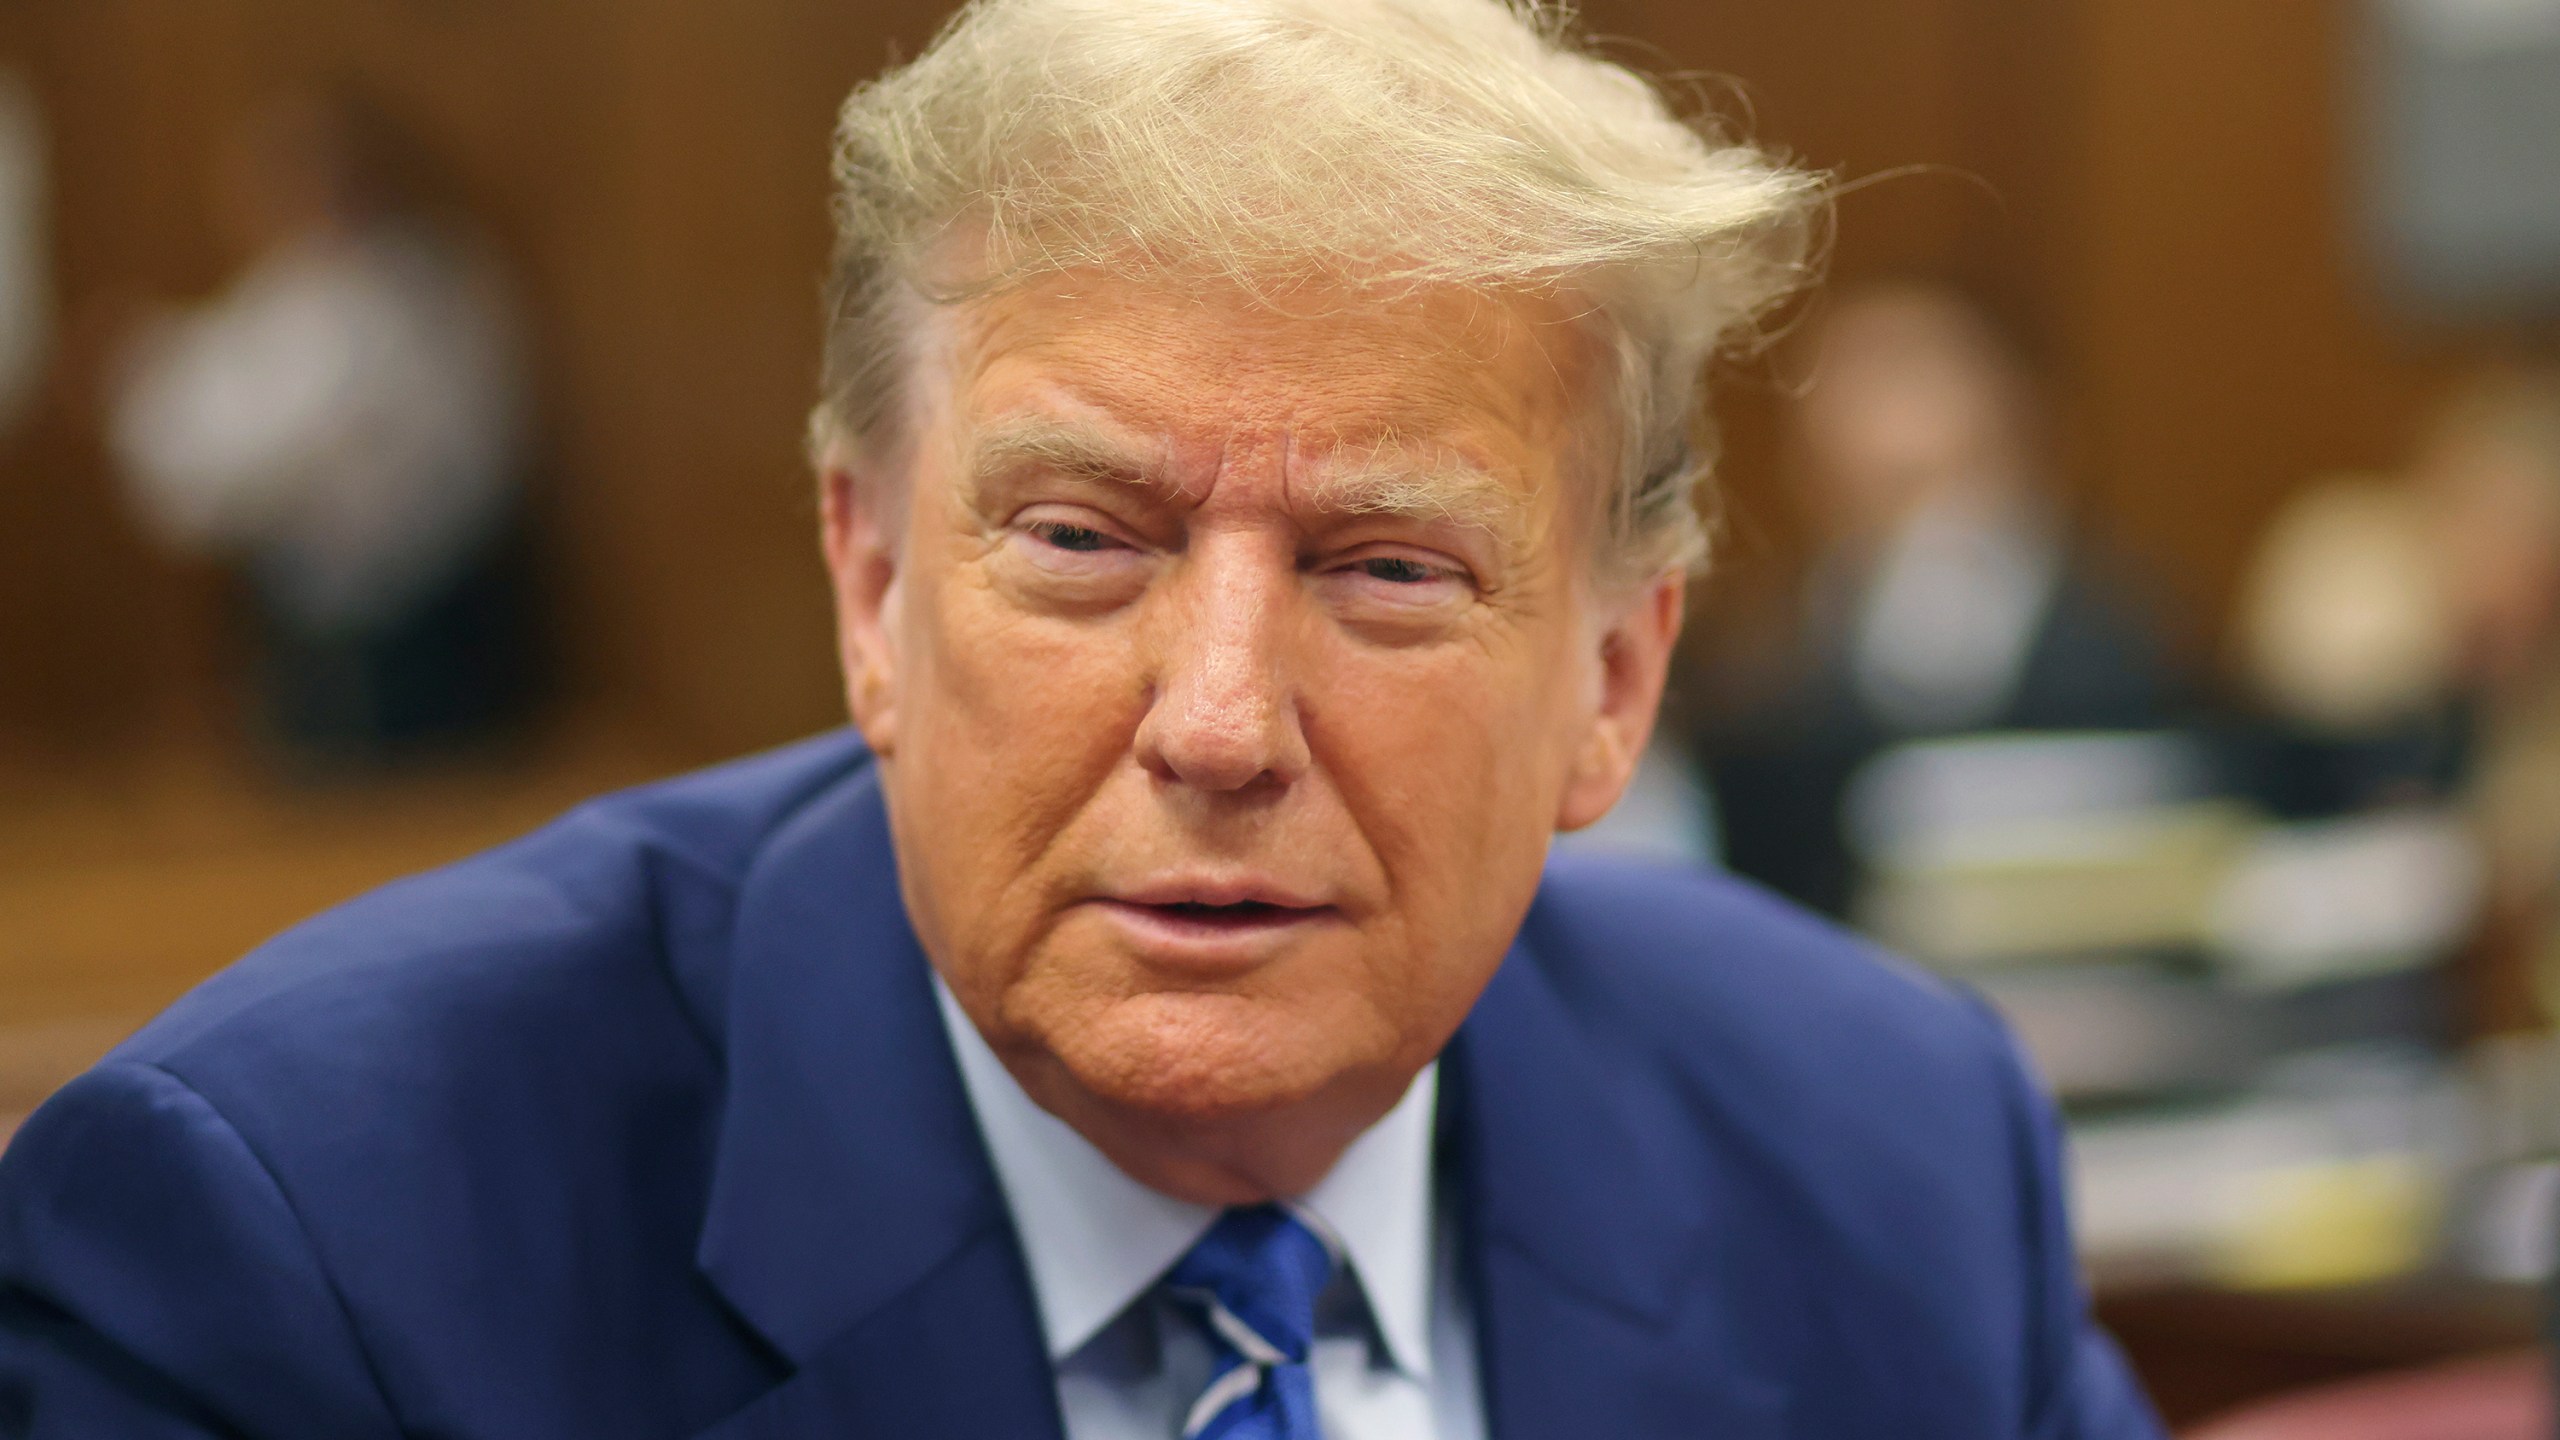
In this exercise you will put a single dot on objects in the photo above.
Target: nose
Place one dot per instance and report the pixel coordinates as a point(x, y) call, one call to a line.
point(1224, 714)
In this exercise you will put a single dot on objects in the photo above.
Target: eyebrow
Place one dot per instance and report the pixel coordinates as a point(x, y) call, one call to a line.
point(1061, 445)
point(1392, 480)
point(1389, 478)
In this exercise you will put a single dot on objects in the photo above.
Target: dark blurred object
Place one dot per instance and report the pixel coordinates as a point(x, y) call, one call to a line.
point(2463, 189)
point(346, 425)
point(1947, 598)
point(2207, 1352)
point(459, 667)
point(2506, 1398)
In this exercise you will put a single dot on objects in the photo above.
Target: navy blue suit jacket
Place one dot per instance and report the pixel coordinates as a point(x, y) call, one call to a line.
point(645, 1126)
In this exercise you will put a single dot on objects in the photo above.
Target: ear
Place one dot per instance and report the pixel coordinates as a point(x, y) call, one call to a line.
point(1634, 659)
point(858, 530)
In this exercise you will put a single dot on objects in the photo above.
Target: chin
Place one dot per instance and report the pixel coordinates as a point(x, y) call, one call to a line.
point(1205, 1058)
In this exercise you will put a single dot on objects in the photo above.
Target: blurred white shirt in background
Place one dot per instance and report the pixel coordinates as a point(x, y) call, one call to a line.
point(348, 417)
point(1946, 626)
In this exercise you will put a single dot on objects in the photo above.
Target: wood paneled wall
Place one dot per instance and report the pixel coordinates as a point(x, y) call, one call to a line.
point(2158, 193)
point(2157, 183)
point(656, 170)
point(2224, 340)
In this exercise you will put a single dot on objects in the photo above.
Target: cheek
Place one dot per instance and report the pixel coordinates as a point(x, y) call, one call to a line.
point(1008, 727)
point(1452, 766)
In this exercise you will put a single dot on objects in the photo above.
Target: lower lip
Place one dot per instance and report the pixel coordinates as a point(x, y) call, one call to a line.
point(1213, 939)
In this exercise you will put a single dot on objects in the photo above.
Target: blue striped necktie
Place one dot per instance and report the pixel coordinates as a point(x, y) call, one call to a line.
point(1252, 1284)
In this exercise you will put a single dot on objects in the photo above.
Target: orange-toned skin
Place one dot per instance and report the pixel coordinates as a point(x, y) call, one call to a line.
point(1198, 673)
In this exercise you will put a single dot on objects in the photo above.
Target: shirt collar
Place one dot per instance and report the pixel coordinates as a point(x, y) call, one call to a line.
point(1096, 1240)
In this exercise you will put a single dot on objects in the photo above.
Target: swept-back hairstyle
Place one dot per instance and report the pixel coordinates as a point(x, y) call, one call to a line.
point(1380, 144)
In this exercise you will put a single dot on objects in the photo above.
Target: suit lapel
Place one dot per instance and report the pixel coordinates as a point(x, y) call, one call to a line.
point(957, 1356)
point(1601, 1308)
point(854, 1220)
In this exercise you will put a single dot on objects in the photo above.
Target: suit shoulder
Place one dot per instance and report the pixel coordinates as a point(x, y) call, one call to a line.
point(1876, 1115)
point(412, 1098)
point(611, 903)
point(1714, 971)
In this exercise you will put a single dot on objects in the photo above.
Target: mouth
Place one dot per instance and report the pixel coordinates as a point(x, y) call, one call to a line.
point(1219, 933)
point(1233, 917)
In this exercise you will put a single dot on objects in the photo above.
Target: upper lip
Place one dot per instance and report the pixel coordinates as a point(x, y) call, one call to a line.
point(1217, 890)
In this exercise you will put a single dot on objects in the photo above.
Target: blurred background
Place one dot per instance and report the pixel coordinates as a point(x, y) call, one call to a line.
point(2140, 592)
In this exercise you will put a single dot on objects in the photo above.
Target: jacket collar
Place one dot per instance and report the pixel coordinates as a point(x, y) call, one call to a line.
point(1556, 1164)
point(1590, 1233)
point(848, 1169)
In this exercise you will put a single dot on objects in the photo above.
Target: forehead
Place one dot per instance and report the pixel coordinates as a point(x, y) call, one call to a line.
point(1503, 379)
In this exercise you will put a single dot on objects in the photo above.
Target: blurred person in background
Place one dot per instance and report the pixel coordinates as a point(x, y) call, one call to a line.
point(345, 423)
point(2488, 468)
point(2399, 639)
point(2400, 642)
point(1945, 597)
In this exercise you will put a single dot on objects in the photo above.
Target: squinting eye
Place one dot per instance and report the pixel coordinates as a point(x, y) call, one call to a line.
point(1071, 537)
point(1398, 571)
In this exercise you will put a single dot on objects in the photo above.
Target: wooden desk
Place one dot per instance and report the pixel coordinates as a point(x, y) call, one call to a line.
point(2203, 1350)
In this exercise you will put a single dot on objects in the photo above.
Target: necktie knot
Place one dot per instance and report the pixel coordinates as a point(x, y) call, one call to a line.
point(1253, 1282)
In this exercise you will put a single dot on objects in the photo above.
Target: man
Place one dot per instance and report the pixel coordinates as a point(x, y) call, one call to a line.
point(346, 423)
point(1255, 492)
point(1947, 597)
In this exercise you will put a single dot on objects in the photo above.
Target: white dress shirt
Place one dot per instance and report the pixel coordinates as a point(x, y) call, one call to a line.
point(1394, 1355)
point(349, 413)
point(1949, 619)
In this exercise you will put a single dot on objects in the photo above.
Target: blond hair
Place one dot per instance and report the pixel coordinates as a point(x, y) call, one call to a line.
point(1268, 143)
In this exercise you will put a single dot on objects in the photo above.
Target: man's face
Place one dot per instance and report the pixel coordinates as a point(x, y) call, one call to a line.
point(1230, 670)
point(1911, 398)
